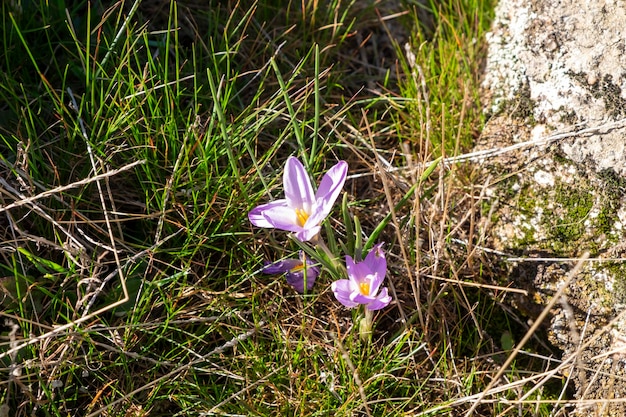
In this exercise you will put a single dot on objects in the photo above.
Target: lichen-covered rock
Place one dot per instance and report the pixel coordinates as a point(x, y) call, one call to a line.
point(561, 67)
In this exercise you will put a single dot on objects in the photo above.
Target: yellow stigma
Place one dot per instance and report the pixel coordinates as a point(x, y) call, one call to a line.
point(364, 288)
point(301, 216)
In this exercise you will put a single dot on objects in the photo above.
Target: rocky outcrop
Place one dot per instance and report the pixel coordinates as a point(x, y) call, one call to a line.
point(554, 67)
point(562, 65)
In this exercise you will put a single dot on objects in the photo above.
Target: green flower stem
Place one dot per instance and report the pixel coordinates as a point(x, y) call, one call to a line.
point(365, 325)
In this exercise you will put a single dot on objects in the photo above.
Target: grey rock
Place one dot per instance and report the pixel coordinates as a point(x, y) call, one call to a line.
point(560, 66)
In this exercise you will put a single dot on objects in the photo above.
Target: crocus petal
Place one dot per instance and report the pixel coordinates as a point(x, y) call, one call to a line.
point(342, 289)
point(329, 189)
point(275, 215)
point(359, 298)
point(376, 261)
point(297, 185)
point(350, 265)
point(257, 217)
point(377, 265)
point(358, 272)
point(306, 234)
point(381, 301)
point(296, 279)
point(281, 267)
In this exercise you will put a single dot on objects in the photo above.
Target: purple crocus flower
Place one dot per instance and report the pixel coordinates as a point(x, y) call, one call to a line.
point(364, 282)
point(295, 269)
point(301, 211)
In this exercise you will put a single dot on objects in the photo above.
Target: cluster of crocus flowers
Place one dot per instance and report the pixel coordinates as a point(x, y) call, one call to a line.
point(301, 212)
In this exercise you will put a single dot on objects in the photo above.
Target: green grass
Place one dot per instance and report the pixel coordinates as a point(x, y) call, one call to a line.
point(135, 139)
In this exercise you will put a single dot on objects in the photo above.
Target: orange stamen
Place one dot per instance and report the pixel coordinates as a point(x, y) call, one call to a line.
point(364, 288)
point(301, 216)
